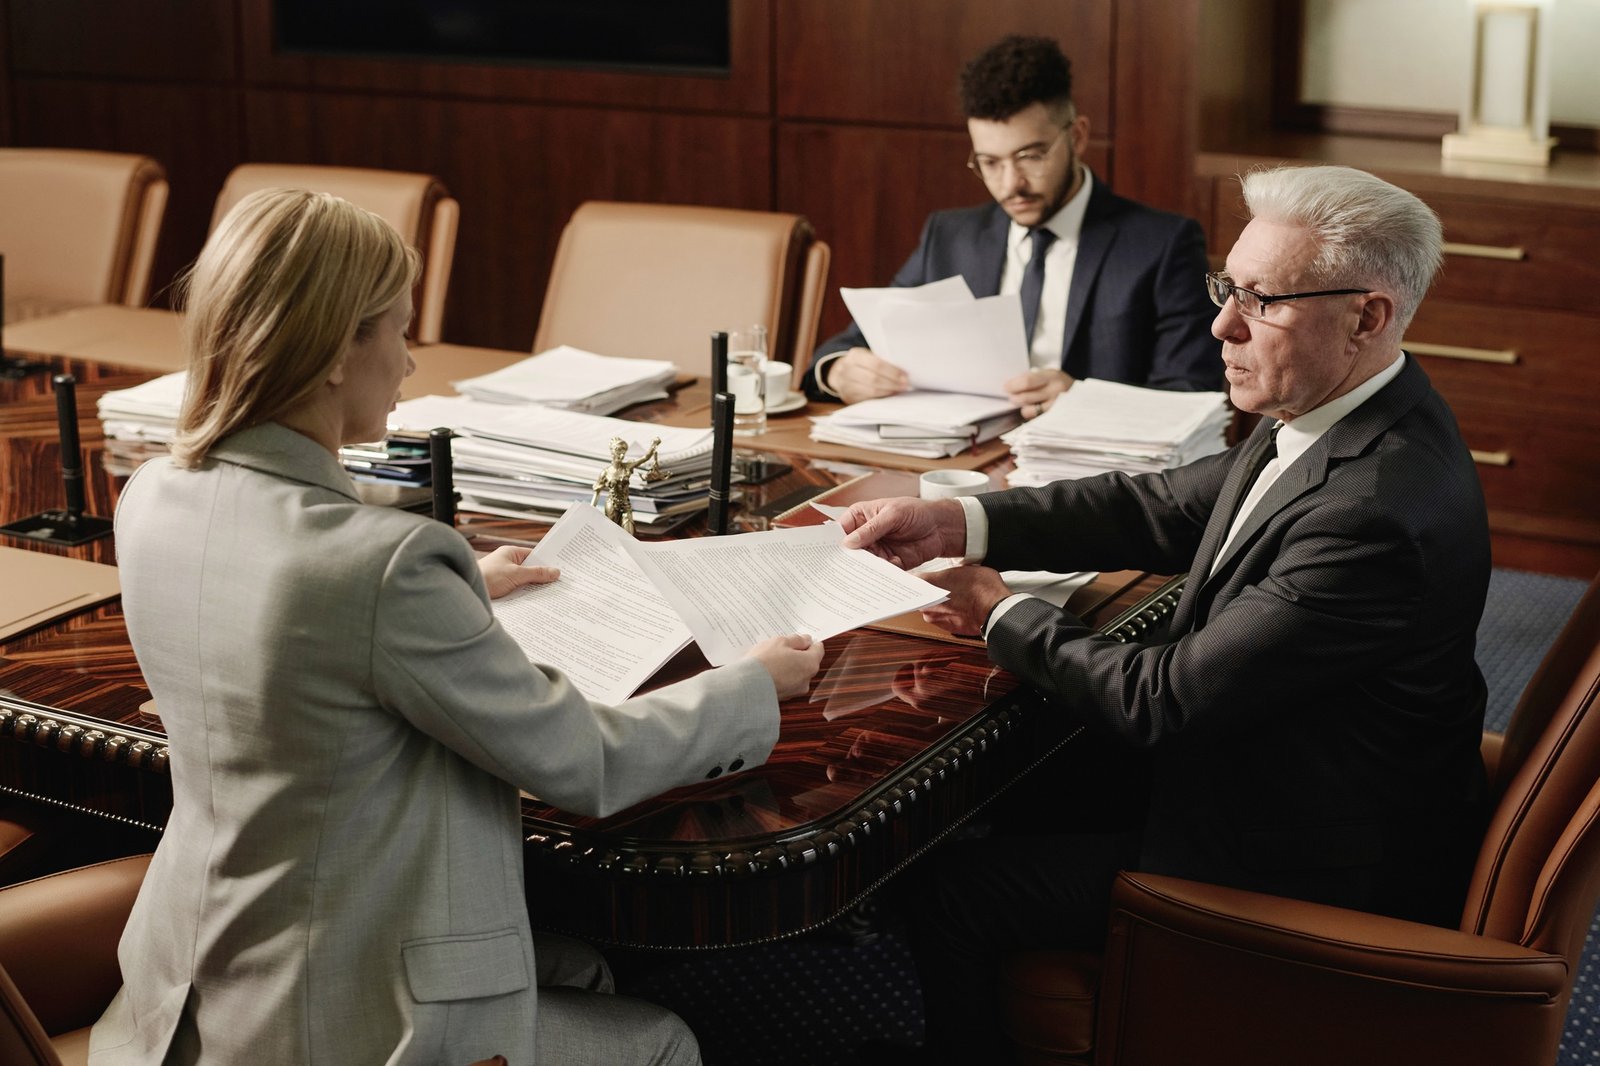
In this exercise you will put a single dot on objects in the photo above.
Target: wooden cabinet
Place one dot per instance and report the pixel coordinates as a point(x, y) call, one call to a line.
point(1509, 334)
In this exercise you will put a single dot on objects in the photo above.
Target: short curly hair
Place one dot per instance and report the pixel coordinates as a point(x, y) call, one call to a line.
point(1014, 73)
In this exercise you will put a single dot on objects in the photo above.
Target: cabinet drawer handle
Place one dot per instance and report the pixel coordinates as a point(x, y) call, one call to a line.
point(1513, 253)
point(1491, 458)
point(1507, 356)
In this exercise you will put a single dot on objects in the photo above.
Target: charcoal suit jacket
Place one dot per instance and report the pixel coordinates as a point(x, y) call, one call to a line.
point(1314, 711)
point(1137, 310)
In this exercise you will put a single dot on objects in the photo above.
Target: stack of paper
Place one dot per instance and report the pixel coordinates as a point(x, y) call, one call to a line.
point(926, 424)
point(942, 336)
point(533, 462)
point(139, 422)
point(574, 379)
point(147, 412)
point(1097, 426)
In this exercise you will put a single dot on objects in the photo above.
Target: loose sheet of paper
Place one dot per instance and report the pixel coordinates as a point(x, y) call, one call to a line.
point(602, 623)
point(942, 336)
point(736, 591)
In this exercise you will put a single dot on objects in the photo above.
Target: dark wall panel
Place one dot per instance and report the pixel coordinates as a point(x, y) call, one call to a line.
point(519, 171)
point(897, 61)
point(174, 40)
point(191, 130)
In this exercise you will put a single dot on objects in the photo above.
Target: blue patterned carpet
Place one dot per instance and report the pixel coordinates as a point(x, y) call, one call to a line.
point(813, 1001)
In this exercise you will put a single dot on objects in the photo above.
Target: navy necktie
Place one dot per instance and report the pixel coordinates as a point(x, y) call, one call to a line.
point(1033, 280)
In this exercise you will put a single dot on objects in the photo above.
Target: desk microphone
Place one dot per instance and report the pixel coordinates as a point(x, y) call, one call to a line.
point(719, 362)
point(70, 526)
point(442, 475)
point(717, 520)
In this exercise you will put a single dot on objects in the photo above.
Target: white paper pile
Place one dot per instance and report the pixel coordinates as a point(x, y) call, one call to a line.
point(933, 332)
point(1097, 426)
point(533, 462)
point(575, 380)
point(147, 412)
point(925, 424)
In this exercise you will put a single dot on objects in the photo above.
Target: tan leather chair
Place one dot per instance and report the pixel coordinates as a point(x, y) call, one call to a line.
point(654, 281)
point(416, 205)
point(78, 228)
point(58, 958)
point(1194, 974)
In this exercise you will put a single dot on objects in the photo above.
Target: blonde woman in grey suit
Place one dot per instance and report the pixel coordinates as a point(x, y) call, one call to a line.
point(341, 880)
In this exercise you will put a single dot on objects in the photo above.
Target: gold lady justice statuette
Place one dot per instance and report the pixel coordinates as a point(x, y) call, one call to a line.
point(615, 478)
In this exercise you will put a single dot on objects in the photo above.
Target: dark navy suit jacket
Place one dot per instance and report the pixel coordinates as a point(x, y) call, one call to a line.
point(1137, 311)
point(1314, 712)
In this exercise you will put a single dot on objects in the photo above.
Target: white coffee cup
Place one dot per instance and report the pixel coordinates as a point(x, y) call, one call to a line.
point(778, 376)
point(943, 484)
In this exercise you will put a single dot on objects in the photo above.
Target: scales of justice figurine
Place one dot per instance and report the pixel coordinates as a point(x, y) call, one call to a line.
point(614, 480)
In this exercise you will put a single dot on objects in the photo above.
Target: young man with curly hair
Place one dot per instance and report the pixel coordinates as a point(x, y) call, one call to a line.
point(1110, 288)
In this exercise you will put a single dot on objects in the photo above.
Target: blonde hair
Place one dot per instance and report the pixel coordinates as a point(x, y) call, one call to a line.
point(283, 286)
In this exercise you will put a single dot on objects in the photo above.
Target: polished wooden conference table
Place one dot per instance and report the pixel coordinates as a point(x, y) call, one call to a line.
point(901, 738)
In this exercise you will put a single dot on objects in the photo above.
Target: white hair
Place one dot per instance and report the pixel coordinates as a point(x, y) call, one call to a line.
point(1369, 233)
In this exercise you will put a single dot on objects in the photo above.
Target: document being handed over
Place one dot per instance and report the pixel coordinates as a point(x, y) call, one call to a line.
point(736, 591)
point(622, 608)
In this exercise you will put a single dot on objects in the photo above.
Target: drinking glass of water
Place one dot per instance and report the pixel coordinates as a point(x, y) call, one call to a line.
point(747, 362)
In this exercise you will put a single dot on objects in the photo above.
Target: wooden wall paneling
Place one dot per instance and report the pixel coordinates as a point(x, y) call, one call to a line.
point(746, 89)
point(519, 171)
point(1156, 104)
point(193, 131)
point(176, 40)
point(7, 103)
point(897, 61)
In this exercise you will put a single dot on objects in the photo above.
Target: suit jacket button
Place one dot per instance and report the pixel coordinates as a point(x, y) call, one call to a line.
point(737, 764)
point(713, 772)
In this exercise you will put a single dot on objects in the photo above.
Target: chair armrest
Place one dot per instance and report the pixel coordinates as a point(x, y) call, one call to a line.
point(1260, 975)
point(59, 936)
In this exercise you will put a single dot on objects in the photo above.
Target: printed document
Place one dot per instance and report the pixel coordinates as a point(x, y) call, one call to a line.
point(942, 336)
point(737, 591)
point(602, 623)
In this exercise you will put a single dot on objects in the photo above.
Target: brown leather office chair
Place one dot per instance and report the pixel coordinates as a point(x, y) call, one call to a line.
point(417, 205)
point(654, 281)
point(58, 958)
point(1196, 974)
point(79, 228)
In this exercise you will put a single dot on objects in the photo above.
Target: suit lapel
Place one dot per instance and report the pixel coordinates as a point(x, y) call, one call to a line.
point(1347, 438)
point(1094, 240)
point(989, 254)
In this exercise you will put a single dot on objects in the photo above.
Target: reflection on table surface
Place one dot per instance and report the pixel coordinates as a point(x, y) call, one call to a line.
point(900, 738)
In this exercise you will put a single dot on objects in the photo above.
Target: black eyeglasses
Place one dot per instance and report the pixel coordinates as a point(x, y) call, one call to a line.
point(1254, 304)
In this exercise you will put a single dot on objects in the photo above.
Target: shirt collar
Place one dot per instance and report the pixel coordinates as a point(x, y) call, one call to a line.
point(1294, 438)
point(1066, 223)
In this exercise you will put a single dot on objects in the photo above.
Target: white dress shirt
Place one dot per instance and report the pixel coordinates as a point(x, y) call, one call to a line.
point(1050, 328)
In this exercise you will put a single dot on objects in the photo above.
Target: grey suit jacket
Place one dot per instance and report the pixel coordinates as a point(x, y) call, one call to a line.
point(341, 879)
point(1315, 710)
point(1137, 310)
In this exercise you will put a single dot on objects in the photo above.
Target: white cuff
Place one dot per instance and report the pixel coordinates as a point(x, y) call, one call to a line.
point(1001, 608)
point(820, 363)
point(977, 529)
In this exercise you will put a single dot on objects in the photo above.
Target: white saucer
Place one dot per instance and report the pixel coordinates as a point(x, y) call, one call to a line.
point(792, 402)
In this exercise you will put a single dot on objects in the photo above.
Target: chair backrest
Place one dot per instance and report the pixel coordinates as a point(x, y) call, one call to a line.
point(78, 228)
point(656, 280)
point(1538, 872)
point(58, 940)
point(417, 205)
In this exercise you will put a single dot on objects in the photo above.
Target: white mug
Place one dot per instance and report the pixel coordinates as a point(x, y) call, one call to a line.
point(778, 375)
point(943, 484)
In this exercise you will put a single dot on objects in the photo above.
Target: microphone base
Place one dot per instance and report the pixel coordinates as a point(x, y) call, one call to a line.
point(58, 527)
